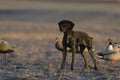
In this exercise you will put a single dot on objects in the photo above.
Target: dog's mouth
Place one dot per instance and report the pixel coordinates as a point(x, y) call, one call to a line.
point(63, 28)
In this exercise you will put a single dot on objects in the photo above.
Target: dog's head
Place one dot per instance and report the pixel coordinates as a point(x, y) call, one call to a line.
point(65, 25)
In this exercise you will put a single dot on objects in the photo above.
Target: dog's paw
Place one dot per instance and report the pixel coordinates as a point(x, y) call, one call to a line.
point(95, 68)
point(61, 68)
point(71, 68)
point(85, 69)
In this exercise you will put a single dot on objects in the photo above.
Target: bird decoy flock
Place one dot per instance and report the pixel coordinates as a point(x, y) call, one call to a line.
point(110, 53)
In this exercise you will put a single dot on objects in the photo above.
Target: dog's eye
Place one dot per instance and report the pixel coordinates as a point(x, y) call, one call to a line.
point(64, 25)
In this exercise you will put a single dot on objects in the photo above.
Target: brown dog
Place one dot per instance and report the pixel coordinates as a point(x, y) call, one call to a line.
point(75, 40)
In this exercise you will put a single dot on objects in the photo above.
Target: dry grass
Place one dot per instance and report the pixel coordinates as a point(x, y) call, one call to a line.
point(33, 33)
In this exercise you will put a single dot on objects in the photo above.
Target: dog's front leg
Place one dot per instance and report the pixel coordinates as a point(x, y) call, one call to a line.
point(64, 57)
point(73, 56)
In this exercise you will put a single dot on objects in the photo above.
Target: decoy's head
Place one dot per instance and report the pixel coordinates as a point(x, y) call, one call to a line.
point(110, 41)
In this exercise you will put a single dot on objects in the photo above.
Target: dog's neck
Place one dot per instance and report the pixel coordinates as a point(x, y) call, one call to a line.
point(68, 32)
point(68, 35)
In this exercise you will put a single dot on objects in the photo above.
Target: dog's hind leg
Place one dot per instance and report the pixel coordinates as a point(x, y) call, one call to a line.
point(82, 48)
point(91, 52)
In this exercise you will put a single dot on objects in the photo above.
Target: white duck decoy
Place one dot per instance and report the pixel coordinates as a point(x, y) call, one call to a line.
point(110, 53)
point(59, 46)
point(5, 48)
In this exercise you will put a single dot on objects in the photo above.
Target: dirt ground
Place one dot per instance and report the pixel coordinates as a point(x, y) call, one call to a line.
point(32, 28)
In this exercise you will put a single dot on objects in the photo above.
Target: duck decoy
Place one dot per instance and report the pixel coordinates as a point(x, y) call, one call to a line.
point(110, 53)
point(59, 46)
point(5, 49)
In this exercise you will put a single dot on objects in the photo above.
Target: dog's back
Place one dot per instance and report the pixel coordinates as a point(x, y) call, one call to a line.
point(82, 38)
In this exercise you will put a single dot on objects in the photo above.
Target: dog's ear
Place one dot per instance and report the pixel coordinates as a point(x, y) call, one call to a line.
point(71, 25)
point(60, 24)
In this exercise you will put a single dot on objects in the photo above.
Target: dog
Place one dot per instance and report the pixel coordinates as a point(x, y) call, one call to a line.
point(75, 40)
